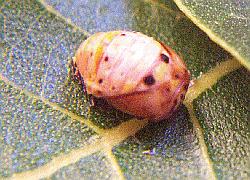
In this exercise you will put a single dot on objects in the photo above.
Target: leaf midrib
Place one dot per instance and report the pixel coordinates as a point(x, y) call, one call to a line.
point(109, 136)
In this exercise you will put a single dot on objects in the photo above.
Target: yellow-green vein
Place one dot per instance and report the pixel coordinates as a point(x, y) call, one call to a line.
point(113, 161)
point(68, 21)
point(210, 78)
point(213, 36)
point(53, 105)
point(104, 144)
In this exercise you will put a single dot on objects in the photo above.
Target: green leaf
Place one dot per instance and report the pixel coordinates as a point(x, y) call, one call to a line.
point(49, 130)
point(223, 114)
point(226, 22)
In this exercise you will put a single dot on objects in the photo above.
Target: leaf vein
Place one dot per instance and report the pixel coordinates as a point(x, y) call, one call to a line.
point(58, 14)
point(210, 78)
point(54, 106)
point(59, 162)
point(165, 7)
point(111, 139)
point(200, 85)
point(116, 167)
point(212, 35)
point(201, 140)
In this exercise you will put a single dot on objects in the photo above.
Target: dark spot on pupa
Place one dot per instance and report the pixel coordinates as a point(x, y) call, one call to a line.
point(149, 80)
point(91, 54)
point(100, 81)
point(165, 58)
point(106, 58)
point(177, 76)
point(123, 34)
point(113, 88)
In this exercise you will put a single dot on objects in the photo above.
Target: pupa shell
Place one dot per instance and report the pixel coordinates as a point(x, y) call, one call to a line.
point(133, 72)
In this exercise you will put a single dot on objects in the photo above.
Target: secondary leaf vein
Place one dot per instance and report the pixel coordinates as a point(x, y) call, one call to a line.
point(54, 106)
point(67, 20)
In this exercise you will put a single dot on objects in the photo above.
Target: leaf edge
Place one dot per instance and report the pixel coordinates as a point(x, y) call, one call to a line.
point(212, 35)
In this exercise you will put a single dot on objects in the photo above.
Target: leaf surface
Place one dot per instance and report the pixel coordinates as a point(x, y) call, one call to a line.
point(226, 22)
point(48, 129)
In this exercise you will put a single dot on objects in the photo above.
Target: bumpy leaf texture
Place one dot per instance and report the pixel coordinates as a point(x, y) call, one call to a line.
point(227, 22)
point(48, 129)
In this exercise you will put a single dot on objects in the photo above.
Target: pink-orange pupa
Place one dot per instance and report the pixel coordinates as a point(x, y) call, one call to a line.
point(133, 72)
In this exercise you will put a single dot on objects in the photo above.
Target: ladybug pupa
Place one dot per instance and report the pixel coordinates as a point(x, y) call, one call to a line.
point(133, 72)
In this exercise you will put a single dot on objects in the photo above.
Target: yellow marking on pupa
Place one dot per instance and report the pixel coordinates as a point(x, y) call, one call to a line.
point(160, 72)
